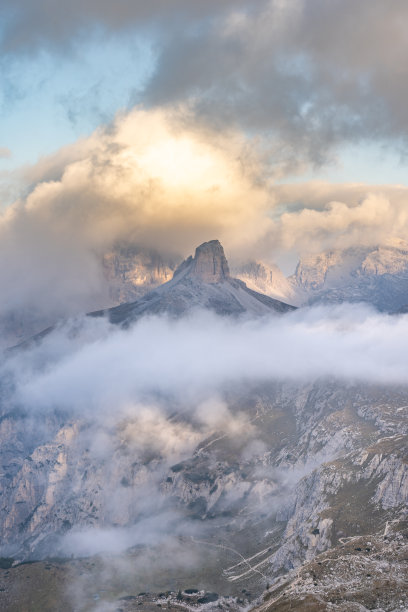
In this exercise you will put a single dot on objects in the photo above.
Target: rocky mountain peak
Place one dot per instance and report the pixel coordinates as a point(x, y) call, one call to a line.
point(209, 264)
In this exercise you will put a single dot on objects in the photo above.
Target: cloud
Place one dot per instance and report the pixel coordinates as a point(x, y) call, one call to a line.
point(318, 216)
point(148, 179)
point(32, 29)
point(135, 402)
point(149, 568)
point(5, 153)
point(239, 96)
point(150, 531)
point(215, 414)
point(305, 76)
point(312, 74)
point(119, 408)
point(191, 360)
point(146, 431)
point(157, 180)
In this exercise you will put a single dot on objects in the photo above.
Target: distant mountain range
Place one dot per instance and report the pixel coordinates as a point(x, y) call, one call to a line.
point(376, 275)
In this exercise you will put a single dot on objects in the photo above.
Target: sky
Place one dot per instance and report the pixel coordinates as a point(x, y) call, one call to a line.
point(328, 75)
point(279, 127)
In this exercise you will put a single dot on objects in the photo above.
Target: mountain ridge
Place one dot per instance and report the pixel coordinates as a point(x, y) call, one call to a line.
point(376, 275)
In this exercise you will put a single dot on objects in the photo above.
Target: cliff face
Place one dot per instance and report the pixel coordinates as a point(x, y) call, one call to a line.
point(210, 264)
point(131, 272)
point(268, 279)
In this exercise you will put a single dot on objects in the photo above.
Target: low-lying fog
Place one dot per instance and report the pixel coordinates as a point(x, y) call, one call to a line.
point(89, 366)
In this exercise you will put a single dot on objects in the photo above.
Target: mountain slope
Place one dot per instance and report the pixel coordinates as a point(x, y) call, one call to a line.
point(268, 279)
point(360, 573)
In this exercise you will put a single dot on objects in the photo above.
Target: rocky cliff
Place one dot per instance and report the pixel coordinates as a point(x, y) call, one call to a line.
point(131, 272)
point(268, 279)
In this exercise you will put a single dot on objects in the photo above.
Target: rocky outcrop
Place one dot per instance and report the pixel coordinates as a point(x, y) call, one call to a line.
point(209, 263)
point(362, 573)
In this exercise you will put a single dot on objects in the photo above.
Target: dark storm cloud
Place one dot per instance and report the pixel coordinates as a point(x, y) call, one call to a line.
point(34, 25)
point(311, 74)
point(314, 73)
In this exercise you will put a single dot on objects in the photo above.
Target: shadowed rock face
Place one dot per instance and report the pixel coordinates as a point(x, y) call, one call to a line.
point(209, 264)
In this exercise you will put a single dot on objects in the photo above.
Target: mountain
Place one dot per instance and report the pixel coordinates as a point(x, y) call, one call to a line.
point(375, 275)
point(202, 281)
point(131, 271)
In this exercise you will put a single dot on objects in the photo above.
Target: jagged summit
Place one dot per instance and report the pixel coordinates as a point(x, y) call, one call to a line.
point(202, 281)
point(209, 263)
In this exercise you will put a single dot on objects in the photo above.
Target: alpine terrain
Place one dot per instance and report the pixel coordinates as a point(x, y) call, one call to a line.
point(274, 494)
point(376, 275)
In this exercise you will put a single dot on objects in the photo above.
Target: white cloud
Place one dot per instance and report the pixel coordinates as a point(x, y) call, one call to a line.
point(5, 153)
point(150, 179)
point(318, 216)
point(194, 358)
